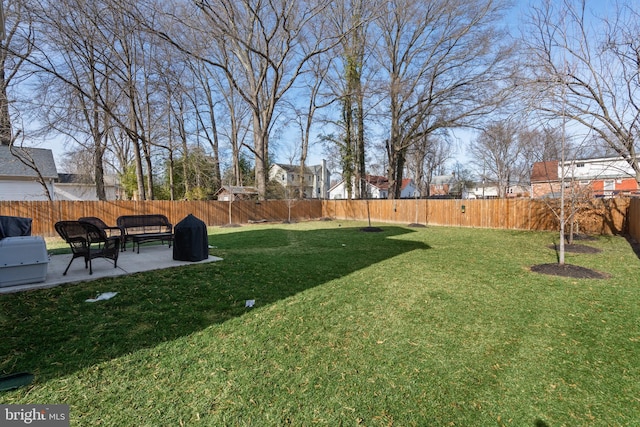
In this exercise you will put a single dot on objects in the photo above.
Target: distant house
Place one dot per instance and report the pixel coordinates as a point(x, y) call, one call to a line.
point(442, 185)
point(316, 179)
point(20, 182)
point(480, 191)
point(377, 187)
point(490, 190)
point(597, 177)
point(82, 187)
point(229, 193)
point(518, 190)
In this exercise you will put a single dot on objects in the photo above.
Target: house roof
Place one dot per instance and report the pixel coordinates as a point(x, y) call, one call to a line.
point(405, 182)
point(544, 171)
point(235, 189)
point(443, 179)
point(382, 182)
point(82, 179)
point(10, 166)
point(295, 168)
point(378, 181)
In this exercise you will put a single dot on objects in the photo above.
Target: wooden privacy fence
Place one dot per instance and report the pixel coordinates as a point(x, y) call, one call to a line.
point(46, 214)
point(596, 216)
point(633, 218)
point(612, 216)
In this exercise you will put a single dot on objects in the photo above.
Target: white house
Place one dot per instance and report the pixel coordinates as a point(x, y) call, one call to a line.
point(490, 190)
point(480, 191)
point(316, 179)
point(82, 187)
point(377, 188)
point(18, 181)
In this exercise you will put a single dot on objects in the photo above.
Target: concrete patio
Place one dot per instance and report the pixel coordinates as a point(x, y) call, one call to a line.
point(151, 257)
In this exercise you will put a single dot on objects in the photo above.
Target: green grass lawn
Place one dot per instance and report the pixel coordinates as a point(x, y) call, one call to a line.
point(408, 326)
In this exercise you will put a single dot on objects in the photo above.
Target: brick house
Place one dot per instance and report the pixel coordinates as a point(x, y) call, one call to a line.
point(598, 177)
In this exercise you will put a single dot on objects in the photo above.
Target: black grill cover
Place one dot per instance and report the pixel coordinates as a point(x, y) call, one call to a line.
point(14, 226)
point(190, 240)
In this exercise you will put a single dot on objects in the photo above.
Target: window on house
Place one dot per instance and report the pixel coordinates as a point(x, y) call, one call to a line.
point(579, 165)
point(609, 185)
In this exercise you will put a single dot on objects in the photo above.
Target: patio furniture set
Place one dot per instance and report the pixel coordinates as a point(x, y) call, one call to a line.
point(24, 258)
point(90, 237)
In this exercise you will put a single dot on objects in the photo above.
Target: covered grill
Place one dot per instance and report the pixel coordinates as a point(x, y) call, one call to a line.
point(190, 240)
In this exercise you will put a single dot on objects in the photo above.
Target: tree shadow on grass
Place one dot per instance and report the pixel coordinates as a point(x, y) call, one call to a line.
point(54, 332)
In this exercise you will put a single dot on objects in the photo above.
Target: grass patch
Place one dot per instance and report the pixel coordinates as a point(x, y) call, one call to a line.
point(407, 326)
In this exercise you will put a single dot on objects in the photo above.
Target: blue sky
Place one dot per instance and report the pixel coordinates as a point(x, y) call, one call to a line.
point(461, 137)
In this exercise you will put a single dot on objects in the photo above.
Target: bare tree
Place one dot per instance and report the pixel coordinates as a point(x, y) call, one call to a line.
point(93, 49)
point(443, 62)
point(498, 152)
point(83, 51)
point(425, 158)
point(264, 39)
point(541, 144)
point(351, 18)
point(305, 114)
point(596, 60)
point(204, 103)
point(237, 119)
point(17, 35)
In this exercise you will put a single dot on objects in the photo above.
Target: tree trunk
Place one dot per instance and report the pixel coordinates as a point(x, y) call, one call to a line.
point(261, 151)
point(5, 119)
point(397, 159)
point(99, 172)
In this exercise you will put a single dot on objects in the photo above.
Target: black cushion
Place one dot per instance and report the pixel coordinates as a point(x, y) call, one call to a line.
point(14, 226)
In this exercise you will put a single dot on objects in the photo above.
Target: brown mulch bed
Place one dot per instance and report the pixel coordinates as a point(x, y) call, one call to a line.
point(371, 229)
point(568, 270)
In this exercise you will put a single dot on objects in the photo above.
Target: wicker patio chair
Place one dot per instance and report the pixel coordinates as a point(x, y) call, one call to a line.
point(89, 242)
point(110, 231)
